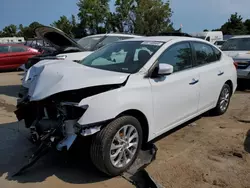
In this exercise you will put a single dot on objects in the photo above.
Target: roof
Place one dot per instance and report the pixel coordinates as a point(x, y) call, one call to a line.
point(122, 35)
point(240, 36)
point(164, 38)
point(114, 34)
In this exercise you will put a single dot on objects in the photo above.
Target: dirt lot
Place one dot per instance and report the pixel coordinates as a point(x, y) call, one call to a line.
point(209, 152)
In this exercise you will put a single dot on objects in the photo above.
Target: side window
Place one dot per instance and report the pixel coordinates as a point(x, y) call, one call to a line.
point(179, 56)
point(204, 53)
point(4, 49)
point(217, 54)
point(18, 49)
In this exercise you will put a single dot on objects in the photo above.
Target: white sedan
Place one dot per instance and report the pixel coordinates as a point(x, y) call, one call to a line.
point(126, 94)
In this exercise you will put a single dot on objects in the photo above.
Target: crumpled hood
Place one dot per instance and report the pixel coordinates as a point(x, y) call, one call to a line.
point(51, 77)
point(238, 54)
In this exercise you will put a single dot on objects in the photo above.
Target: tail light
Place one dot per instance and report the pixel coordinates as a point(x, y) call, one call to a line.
point(236, 64)
point(33, 50)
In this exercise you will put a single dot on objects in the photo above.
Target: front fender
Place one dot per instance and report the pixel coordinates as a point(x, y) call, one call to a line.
point(110, 104)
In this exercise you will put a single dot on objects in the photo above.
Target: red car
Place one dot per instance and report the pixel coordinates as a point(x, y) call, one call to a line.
point(12, 56)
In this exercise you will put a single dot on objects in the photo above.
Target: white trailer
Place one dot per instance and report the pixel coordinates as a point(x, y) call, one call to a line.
point(5, 40)
point(211, 36)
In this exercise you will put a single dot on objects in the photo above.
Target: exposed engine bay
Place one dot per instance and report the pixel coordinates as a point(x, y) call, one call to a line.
point(53, 121)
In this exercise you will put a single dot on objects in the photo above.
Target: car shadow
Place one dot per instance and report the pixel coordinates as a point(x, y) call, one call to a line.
point(10, 90)
point(247, 142)
point(75, 168)
point(190, 122)
point(243, 86)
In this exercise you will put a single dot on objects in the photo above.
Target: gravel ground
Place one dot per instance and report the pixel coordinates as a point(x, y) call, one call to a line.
point(208, 152)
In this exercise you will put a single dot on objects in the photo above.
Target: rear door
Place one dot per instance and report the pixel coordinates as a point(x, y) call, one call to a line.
point(211, 70)
point(4, 56)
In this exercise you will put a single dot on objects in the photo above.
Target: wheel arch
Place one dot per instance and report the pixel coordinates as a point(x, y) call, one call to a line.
point(142, 119)
point(230, 83)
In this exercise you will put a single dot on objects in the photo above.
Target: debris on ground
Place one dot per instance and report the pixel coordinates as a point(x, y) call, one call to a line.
point(137, 174)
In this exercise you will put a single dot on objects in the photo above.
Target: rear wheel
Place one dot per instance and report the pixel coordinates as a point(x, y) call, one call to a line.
point(116, 146)
point(223, 101)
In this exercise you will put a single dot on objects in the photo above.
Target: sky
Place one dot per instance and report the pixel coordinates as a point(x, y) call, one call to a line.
point(193, 15)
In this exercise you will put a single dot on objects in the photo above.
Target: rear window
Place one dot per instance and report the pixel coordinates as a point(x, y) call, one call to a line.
point(236, 44)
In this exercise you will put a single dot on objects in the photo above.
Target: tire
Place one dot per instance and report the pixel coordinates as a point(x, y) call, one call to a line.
point(100, 150)
point(219, 109)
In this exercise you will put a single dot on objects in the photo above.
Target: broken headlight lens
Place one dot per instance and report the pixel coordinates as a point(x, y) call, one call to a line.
point(73, 111)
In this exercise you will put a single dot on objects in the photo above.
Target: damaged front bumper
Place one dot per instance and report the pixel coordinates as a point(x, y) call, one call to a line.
point(46, 116)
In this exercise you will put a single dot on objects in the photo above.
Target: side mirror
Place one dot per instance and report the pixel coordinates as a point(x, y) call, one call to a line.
point(165, 69)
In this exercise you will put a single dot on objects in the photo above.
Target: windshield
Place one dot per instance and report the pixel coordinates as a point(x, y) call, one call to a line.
point(88, 43)
point(236, 44)
point(125, 56)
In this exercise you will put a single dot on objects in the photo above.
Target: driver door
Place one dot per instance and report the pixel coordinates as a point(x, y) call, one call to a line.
point(176, 96)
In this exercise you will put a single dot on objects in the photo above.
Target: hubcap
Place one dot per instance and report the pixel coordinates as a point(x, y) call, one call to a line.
point(225, 95)
point(124, 146)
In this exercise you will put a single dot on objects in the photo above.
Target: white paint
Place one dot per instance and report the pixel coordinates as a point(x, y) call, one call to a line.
point(166, 102)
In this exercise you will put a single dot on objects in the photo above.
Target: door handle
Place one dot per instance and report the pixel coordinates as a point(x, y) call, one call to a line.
point(220, 73)
point(194, 81)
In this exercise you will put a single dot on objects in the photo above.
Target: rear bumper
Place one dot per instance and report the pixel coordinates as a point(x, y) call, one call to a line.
point(243, 73)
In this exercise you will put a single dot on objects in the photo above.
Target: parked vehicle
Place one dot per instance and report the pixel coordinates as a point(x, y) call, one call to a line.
point(7, 40)
point(210, 36)
point(238, 48)
point(40, 45)
point(68, 48)
point(219, 43)
point(14, 55)
point(126, 94)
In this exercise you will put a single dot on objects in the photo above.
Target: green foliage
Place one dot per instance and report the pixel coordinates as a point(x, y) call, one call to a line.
point(152, 17)
point(64, 24)
point(145, 17)
point(92, 14)
point(235, 26)
point(247, 26)
point(9, 31)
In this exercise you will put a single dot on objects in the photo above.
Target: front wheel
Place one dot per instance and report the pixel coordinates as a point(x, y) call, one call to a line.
point(223, 101)
point(116, 146)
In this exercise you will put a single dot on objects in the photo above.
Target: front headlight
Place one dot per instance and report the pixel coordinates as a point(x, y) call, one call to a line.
point(72, 110)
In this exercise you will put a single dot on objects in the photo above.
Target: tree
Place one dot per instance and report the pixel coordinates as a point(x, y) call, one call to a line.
point(205, 30)
point(152, 17)
point(10, 31)
point(64, 24)
point(124, 17)
point(234, 25)
point(29, 31)
point(247, 25)
point(93, 15)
